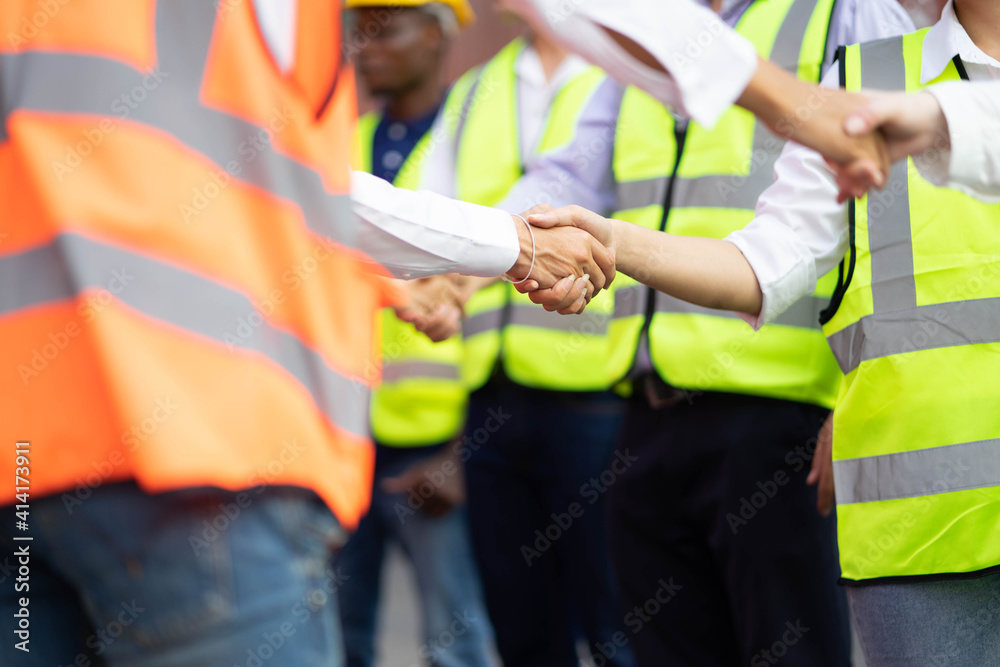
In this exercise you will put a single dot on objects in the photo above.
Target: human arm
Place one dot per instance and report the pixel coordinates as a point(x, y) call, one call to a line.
point(950, 128)
point(417, 234)
point(704, 271)
point(799, 233)
point(657, 47)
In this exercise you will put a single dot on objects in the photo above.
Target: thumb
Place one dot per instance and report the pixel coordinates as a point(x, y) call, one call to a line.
point(867, 118)
point(567, 216)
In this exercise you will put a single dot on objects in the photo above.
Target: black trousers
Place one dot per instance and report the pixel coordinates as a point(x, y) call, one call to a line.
point(720, 555)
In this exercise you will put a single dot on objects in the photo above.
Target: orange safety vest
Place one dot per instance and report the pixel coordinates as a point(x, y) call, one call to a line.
point(180, 301)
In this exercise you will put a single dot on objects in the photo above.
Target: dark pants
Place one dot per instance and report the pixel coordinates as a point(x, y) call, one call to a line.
point(720, 554)
point(453, 617)
point(540, 467)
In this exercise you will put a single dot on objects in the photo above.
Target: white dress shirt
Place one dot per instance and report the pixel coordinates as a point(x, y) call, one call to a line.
point(709, 65)
point(416, 234)
point(800, 232)
point(973, 114)
point(578, 173)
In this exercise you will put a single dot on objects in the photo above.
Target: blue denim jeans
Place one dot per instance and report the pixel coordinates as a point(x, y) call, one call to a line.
point(952, 623)
point(456, 631)
point(201, 578)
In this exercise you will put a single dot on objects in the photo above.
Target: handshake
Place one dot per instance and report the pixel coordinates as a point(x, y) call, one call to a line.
point(562, 267)
point(567, 256)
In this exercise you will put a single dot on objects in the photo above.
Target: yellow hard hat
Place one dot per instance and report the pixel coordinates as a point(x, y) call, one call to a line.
point(462, 8)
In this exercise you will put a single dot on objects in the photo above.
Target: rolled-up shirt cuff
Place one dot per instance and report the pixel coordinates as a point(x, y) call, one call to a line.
point(781, 283)
point(973, 128)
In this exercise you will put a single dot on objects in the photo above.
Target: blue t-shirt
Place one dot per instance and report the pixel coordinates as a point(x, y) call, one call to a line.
point(395, 139)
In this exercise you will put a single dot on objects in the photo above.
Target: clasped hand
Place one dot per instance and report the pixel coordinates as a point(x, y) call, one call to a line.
point(562, 268)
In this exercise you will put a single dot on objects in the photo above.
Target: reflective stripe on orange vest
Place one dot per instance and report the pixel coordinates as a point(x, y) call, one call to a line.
point(180, 302)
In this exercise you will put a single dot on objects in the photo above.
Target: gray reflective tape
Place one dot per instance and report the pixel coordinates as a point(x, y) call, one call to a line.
point(742, 191)
point(804, 313)
point(726, 190)
point(919, 328)
point(889, 236)
point(489, 320)
point(538, 318)
point(418, 370)
point(734, 190)
point(792, 34)
point(78, 84)
point(924, 472)
point(639, 194)
point(630, 301)
point(74, 263)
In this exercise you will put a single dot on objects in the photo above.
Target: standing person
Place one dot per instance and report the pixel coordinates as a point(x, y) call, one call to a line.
point(723, 423)
point(186, 303)
point(419, 409)
point(914, 327)
point(546, 120)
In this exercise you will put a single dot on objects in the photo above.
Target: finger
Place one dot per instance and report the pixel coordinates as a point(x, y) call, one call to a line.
point(407, 314)
point(576, 309)
point(444, 329)
point(867, 118)
point(567, 216)
point(555, 294)
point(605, 264)
point(527, 286)
point(536, 209)
point(577, 291)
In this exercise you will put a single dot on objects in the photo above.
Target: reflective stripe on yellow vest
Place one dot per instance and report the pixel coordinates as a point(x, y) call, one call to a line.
point(712, 179)
point(421, 400)
point(539, 348)
point(916, 329)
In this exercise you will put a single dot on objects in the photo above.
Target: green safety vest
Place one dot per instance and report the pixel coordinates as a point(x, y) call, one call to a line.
point(539, 349)
point(421, 400)
point(915, 326)
point(710, 180)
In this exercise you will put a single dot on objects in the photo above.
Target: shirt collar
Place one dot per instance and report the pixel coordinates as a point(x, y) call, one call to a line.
point(946, 40)
point(528, 68)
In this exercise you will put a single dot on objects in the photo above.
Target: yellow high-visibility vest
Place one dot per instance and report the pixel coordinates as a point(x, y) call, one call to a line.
point(421, 400)
point(539, 349)
point(915, 326)
point(698, 182)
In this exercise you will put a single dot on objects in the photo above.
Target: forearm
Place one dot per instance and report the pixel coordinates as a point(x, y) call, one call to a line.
point(469, 285)
point(416, 234)
point(708, 272)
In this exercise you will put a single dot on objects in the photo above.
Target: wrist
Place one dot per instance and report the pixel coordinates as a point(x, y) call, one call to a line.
point(526, 250)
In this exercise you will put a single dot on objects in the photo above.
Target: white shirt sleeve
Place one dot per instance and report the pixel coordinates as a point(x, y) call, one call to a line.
point(417, 234)
point(973, 165)
point(799, 231)
point(709, 65)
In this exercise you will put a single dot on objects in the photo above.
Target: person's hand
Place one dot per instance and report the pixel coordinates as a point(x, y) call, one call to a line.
point(580, 218)
point(444, 497)
point(910, 123)
point(435, 307)
point(821, 472)
point(815, 116)
point(562, 256)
